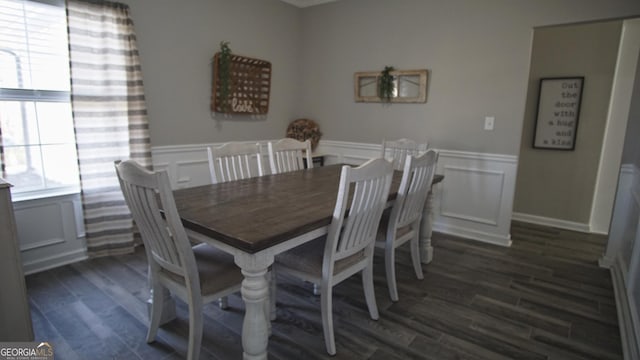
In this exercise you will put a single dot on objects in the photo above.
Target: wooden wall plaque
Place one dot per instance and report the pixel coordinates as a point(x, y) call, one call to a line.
point(249, 86)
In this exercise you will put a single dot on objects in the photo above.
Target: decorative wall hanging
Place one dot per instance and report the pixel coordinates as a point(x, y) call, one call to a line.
point(389, 85)
point(386, 86)
point(304, 129)
point(241, 85)
point(558, 112)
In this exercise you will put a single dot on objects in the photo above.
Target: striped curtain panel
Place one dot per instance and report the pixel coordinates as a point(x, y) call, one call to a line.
point(110, 117)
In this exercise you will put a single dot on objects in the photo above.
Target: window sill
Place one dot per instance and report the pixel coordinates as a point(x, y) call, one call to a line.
point(45, 194)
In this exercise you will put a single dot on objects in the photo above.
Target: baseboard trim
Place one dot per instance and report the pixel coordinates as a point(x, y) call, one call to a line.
point(472, 234)
point(50, 262)
point(557, 223)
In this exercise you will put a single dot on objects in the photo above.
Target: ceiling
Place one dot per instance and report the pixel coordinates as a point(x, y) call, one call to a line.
point(307, 3)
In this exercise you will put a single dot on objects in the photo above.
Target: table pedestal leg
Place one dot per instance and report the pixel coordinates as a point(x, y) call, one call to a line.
point(426, 250)
point(255, 293)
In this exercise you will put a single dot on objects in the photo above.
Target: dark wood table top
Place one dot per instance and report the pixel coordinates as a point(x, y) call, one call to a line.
point(257, 213)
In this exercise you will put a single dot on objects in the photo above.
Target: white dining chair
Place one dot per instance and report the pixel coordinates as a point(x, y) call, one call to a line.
point(396, 151)
point(287, 155)
point(234, 161)
point(403, 224)
point(348, 247)
point(196, 275)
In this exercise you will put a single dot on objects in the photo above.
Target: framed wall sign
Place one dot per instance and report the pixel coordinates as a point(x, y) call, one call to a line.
point(558, 112)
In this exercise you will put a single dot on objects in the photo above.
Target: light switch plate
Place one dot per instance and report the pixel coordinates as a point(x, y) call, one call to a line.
point(488, 122)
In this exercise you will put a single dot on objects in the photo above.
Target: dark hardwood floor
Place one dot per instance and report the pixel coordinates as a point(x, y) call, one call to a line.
point(543, 298)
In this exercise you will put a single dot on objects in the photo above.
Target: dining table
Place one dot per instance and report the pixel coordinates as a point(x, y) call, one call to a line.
point(257, 218)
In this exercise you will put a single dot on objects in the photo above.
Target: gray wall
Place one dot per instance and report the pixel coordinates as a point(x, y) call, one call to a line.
point(560, 184)
point(477, 52)
point(177, 40)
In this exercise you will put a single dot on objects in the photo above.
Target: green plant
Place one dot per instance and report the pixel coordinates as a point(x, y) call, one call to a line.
point(385, 84)
point(224, 75)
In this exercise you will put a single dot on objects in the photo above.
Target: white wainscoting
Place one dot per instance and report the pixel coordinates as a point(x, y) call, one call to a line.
point(50, 232)
point(474, 201)
point(187, 165)
point(623, 258)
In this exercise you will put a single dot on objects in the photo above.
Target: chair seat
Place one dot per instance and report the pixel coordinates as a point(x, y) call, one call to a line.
point(381, 237)
point(216, 270)
point(307, 258)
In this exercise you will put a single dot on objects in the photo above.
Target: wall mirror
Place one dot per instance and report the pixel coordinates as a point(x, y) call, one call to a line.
point(410, 86)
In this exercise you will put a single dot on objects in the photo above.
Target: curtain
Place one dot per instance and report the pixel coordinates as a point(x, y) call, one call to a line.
point(110, 117)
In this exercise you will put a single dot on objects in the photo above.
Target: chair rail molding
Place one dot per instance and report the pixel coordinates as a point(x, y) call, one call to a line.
point(474, 183)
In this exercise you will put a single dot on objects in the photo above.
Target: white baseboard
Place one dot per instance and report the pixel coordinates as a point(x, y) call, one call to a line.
point(557, 223)
point(467, 233)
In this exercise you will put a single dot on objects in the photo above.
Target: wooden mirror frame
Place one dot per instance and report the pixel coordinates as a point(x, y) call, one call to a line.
point(410, 86)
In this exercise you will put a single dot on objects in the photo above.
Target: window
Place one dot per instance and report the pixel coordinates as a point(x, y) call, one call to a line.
point(35, 111)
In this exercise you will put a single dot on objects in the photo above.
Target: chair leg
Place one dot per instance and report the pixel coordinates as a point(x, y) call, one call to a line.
point(369, 293)
point(415, 255)
point(223, 303)
point(390, 267)
point(157, 299)
point(195, 327)
point(327, 317)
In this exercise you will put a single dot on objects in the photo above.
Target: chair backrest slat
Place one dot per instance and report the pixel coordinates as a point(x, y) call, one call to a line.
point(355, 224)
point(397, 150)
point(146, 193)
point(234, 161)
point(414, 187)
point(287, 155)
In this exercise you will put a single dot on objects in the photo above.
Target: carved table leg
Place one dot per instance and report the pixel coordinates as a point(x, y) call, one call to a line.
point(426, 250)
point(255, 293)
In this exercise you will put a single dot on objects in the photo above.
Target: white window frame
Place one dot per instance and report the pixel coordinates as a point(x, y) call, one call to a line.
point(36, 95)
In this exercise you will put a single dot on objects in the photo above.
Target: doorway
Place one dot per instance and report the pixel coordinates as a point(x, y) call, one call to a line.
point(556, 187)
